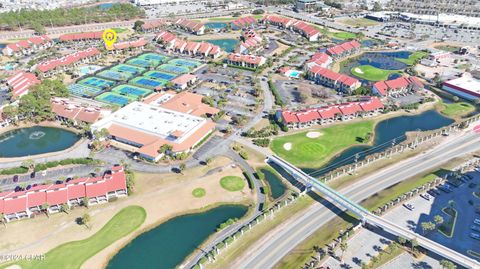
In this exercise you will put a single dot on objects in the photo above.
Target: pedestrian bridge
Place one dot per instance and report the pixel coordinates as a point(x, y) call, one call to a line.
point(367, 217)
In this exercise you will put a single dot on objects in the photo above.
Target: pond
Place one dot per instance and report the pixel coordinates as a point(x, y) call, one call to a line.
point(385, 132)
point(216, 25)
point(227, 44)
point(35, 140)
point(277, 188)
point(167, 245)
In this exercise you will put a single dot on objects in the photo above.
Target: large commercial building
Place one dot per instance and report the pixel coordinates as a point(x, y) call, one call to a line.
point(143, 128)
point(16, 205)
point(466, 87)
point(470, 8)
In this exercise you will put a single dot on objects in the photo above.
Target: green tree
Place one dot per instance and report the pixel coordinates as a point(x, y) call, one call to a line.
point(64, 208)
point(343, 248)
point(137, 26)
point(414, 243)
point(427, 226)
point(446, 264)
point(165, 149)
point(377, 6)
point(85, 202)
point(451, 204)
point(44, 208)
point(438, 219)
point(402, 240)
point(182, 167)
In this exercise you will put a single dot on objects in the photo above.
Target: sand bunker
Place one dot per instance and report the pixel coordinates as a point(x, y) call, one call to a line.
point(313, 134)
point(287, 146)
point(358, 70)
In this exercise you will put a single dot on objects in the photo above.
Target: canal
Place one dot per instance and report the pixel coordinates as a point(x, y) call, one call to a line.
point(386, 132)
point(167, 245)
point(277, 188)
point(35, 140)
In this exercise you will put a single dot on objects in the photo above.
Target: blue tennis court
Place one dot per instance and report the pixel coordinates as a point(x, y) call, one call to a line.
point(154, 57)
point(114, 98)
point(148, 83)
point(134, 70)
point(83, 91)
point(97, 82)
point(114, 75)
point(160, 75)
point(183, 62)
point(143, 63)
point(133, 91)
point(174, 69)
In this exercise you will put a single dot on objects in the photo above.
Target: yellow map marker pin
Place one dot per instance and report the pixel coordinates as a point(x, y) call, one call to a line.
point(109, 37)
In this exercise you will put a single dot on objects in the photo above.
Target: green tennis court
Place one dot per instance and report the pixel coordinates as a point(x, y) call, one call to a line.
point(133, 91)
point(115, 98)
point(170, 68)
point(146, 82)
point(97, 82)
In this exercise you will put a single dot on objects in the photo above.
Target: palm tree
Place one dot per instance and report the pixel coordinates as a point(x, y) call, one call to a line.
point(2, 219)
point(182, 167)
point(343, 247)
point(64, 208)
point(44, 208)
point(85, 202)
point(451, 203)
point(86, 220)
point(414, 243)
point(438, 219)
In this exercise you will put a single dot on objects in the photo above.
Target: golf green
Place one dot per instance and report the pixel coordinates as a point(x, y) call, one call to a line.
point(313, 151)
point(372, 73)
point(344, 35)
point(413, 57)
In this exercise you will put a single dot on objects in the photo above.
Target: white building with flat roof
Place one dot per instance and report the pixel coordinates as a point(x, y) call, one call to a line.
point(465, 86)
point(146, 127)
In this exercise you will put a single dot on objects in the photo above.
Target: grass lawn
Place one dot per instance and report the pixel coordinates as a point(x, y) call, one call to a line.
point(372, 73)
point(313, 152)
point(344, 35)
point(448, 227)
point(120, 30)
point(74, 254)
point(359, 22)
point(413, 57)
point(447, 48)
point(386, 195)
point(232, 183)
point(199, 192)
point(456, 109)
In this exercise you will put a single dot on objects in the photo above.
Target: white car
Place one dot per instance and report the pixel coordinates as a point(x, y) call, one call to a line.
point(425, 196)
point(409, 206)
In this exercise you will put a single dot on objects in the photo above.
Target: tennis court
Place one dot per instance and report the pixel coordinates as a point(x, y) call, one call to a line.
point(114, 98)
point(134, 70)
point(188, 63)
point(160, 75)
point(155, 57)
point(174, 69)
point(114, 75)
point(147, 82)
point(83, 91)
point(97, 82)
point(143, 63)
point(132, 91)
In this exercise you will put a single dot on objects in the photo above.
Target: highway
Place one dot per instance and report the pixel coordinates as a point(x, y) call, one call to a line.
point(266, 252)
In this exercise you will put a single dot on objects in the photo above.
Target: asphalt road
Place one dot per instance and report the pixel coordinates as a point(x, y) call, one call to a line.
point(266, 252)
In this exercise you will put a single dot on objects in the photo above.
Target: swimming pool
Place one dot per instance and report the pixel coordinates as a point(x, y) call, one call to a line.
point(88, 69)
point(293, 73)
point(216, 25)
point(227, 44)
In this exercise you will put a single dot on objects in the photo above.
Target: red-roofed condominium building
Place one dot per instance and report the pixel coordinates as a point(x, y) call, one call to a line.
point(51, 67)
point(153, 26)
point(24, 204)
point(173, 43)
point(28, 46)
point(77, 113)
point(398, 86)
point(82, 38)
point(334, 80)
point(247, 61)
point(20, 82)
point(144, 128)
point(328, 114)
point(243, 23)
point(344, 49)
point(305, 29)
point(190, 26)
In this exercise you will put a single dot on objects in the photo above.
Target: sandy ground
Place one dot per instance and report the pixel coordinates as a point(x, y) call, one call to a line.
point(163, 197)
point(287, 146)
point(313, 134)
point(358, 70)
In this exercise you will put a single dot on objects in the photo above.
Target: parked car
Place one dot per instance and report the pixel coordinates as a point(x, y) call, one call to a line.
point(409, 206)
point(475, 236)
point(476, 221)
point(475, 228)
point(425, 196)
point(15, 178)
point(444, 188)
